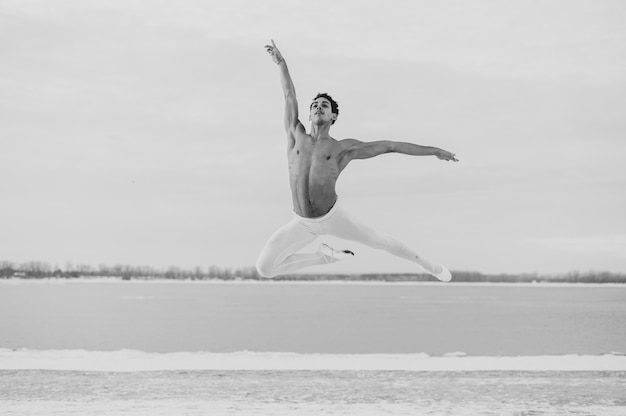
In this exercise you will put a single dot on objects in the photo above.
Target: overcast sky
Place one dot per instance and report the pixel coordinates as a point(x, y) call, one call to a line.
point(150, 132)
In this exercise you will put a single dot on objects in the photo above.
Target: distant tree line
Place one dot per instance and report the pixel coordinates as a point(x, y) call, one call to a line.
point(42, 270)
point(39, 270)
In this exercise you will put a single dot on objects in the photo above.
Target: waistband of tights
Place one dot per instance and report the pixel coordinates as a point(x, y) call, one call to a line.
point(319, 219)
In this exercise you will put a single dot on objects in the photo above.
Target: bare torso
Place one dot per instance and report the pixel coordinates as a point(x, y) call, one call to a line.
point(316, 159)
point(314, 166)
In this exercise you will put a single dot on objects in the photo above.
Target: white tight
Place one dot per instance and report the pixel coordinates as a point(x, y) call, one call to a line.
point(280, 254)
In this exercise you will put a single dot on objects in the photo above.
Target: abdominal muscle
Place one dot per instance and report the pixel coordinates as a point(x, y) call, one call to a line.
point(311, 199)
point(312, 189)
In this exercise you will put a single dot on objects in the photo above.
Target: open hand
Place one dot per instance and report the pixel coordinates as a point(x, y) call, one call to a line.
point(445, 155)
point(272, 49)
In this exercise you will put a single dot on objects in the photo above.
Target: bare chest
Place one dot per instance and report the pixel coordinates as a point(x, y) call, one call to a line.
point(313, 172)
point(314, 158)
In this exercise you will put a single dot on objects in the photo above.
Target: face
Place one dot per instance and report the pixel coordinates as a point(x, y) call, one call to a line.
point(321, 112)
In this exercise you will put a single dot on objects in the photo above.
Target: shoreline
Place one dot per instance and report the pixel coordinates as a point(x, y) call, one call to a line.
point(83, 280)
point(127, 360)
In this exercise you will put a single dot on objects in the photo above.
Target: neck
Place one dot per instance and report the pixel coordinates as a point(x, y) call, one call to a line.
point(320, 131)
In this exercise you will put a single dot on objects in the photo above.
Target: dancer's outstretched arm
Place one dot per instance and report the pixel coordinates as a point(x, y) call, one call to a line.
point(356, 149)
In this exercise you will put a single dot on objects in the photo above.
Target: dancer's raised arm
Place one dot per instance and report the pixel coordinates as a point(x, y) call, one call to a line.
point(293, 125)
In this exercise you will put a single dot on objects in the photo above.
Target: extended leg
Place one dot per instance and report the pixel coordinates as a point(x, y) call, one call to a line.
point(346, 227)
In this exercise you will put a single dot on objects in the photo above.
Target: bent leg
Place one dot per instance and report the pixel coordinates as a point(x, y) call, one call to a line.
point(280, 254)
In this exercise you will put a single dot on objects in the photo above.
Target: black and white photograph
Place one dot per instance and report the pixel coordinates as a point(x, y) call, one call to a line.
point(287, 207)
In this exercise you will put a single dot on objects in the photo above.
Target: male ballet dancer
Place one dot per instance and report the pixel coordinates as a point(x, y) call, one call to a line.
point(315, 161)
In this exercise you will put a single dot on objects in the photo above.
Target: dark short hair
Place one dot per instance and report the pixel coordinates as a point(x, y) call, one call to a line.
point(334, 107)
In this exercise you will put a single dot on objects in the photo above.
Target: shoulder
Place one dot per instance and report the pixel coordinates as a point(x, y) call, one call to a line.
point(346, 144)
point(299, 133)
